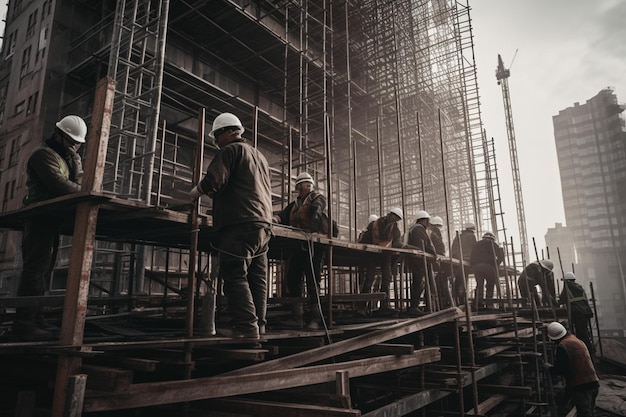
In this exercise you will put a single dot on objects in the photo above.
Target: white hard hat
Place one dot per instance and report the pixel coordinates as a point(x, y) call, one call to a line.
point(74, 127)
point(398, 212)
point(436, 221)
point(489, 235)
point(470, 226)
point(422, 215)
point(304, 177)
point(372, 218)
point(556, 330)
point(569, 276)
point(225, 120)
point(547, 264)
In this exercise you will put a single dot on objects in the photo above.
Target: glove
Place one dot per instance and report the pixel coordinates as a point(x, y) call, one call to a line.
point(195, 193)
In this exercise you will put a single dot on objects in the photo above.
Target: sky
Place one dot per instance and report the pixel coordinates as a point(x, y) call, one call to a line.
point(567, 51)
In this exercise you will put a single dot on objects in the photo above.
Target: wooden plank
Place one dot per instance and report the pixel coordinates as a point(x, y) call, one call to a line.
point(135, 364)
point(523, 333)
point(102, 378)
point(485, 353)
point(75, 395)
point(143, 395)
point(350, 345)
point(388, 349)
point(487, 405)
point(273, 409)
point(239, 354)
point(488, 332)
point(513, 391)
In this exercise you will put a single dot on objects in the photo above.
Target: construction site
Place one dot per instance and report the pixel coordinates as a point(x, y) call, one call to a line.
point(377, 99)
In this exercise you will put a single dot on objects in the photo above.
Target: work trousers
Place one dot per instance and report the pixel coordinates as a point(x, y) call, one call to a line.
point(40, 243)
point(419, 273)
point(585, 401)
point(243, 268)
point(528, 289)
point(580, 325)
point(384, 260)
point(486, 276)
point(306, 260)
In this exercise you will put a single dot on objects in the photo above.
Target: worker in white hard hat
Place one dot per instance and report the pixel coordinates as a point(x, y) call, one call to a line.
point(442, 271)
point(383, 232)
point(485, 259)
point(306, 212)
point(573, 362)
point(461, 249)
point(538, 274)
point(238, 181)
point(419, 238)
point(575, 298)
point(53, 169)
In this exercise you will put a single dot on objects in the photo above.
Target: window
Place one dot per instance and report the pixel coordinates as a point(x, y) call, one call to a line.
point(10, 45)
point(15, 151)
point(32, 103)
point(43, 42)
point(19, 107)
point(2, 151)
point(45, 9)
point(25, 62)
point(32, 23)
point(17, 8)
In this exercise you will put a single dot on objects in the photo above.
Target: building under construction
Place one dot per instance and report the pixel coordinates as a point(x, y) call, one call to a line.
point(378, 100)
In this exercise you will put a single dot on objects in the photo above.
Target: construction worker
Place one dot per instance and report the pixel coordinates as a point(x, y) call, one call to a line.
point(580, 312)
point(573, 362)
point(53, 169)
point(419, 238)
point(306, 212)
point(485, 257)
point(442, 272)
point(383, 232)
point(538, 273)
point(238, 181)
point(463, 243)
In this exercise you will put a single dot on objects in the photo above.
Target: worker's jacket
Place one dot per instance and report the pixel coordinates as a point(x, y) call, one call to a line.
point(306, 213)
point(577, 298)
point(52, 170)
point(383, 232)
point(435, 236)
point(419, 238)
point(486, 251)
point(574, 363)
point(238, 180)
point(468, 240)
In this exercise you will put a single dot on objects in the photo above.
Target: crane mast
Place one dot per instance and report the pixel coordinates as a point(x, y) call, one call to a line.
point(502, 75)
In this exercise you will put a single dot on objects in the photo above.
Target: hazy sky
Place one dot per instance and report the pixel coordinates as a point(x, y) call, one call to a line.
point(568, 50)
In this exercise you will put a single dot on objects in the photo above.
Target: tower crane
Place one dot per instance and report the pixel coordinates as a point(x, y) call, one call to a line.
point(502, 75)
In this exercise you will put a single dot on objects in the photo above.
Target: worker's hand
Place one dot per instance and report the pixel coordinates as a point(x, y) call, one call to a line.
point(194, 193)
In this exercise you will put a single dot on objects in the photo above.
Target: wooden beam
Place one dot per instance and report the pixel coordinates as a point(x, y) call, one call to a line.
point(487, 405)
point(272, 409)
point(102, 378)
point(75, 395)
point(148, 394)
point(388, 349)
point(512, 391)
point(83, 242)
point(350, 345)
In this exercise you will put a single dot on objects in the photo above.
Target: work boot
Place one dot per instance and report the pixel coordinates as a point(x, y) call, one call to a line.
point(27, 331)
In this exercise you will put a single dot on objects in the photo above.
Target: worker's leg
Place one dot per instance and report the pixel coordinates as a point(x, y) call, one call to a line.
point(257, 275)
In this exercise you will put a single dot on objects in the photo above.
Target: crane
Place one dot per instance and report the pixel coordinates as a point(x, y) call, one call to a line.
point(502, 75)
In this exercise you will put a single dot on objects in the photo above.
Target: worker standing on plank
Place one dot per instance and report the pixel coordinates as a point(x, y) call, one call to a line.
point(238, 180)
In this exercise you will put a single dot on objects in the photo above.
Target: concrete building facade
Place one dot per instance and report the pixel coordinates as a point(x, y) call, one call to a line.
point(591, 147)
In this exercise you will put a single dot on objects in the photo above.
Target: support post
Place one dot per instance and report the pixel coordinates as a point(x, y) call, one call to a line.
point(81, 256)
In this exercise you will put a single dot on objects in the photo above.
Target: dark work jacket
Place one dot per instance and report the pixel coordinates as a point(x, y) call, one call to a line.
point(486, 251)
point(387, 231)
point(577, 298)
point(437, 239)
point(418, 237)
point(52, 170)
point(573, 361)
point(315, 208)
point(238, 180)
point(468, 240)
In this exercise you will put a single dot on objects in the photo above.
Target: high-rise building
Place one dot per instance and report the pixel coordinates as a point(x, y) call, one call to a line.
point(560, 244)
point(591, 148)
